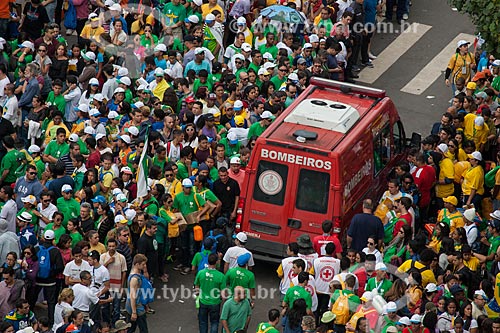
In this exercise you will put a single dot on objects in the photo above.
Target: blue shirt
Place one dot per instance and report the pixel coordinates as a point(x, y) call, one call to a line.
point(197, 68)
point(124, 24)
point(370, 11)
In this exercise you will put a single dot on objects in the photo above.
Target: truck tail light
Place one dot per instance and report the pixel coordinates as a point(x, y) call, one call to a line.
point(337, 224)
point(239, 214)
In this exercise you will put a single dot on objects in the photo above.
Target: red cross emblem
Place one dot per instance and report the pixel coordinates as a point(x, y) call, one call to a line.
point(326, 273)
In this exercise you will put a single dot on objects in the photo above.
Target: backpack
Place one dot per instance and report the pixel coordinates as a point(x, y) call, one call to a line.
point(44, 264)
point(146, 290)
point(447, 219)
point(215, 239)
point(489, 178)
point(70, 16)
point(476, 244)
point(341, 309)
point(103, 173)
point(204, 260)
point(263, 329)
point(415, 269)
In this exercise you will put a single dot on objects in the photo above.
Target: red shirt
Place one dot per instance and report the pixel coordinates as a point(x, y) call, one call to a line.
point(94, 159)
point(407, 217)
point(319, 243)
point(425, 177)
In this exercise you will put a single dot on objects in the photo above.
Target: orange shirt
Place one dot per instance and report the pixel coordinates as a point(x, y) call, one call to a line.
point(123, 156)
point(5, 8)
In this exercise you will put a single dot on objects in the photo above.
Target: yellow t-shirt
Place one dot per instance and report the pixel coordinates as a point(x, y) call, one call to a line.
point(497, 182)
point(206, 9)
point(453, 220)
point(472, 132)
point(89, 33)
point(460, 168)
point(472, 263)
point(446, 170)
point(473, 179)
point(460, 66)
point(427, 275)
point(99, 248)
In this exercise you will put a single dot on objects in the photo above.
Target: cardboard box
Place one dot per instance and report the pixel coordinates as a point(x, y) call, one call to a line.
point(182, 222)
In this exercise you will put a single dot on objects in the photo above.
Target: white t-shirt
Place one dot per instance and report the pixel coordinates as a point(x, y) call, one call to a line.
point(288, 274)
point(47, 212)
point(72, 270)
point(83, 297)
point(378, 255)
point(99, 277)
point(10, 110)
point(241, 134)
point(232, 255)
point(3, 82)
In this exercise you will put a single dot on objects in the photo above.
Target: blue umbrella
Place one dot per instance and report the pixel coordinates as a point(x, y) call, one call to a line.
point(283, 14)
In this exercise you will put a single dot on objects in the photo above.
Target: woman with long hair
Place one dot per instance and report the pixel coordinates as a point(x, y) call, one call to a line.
point(459, 237)
point(6, 327)
point(293, 319)
point(87, 97)
point(74, 231)
point(441, 230)
point(190, 136)
point(445, 320)
point(59, 67)
point(64, 247)
point(447, 248)
point(30, 267)
point(395, 252)
point(396, 293)
point(105, 222)
point(470, 324)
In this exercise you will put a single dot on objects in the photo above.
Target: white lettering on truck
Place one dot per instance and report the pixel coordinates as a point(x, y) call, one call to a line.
point(296, 159)
point(354, 181)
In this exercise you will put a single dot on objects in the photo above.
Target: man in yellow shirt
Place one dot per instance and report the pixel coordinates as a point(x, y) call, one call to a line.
point(93, 30)
point(444, 186)
point(426, 258)
point(450, 215)
point(476, 130)
point(209, 7)
point(470, 261)
point(473, 180)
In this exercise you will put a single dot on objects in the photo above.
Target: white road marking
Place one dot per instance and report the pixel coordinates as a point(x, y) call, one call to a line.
point(435, 68)
point(393, 52)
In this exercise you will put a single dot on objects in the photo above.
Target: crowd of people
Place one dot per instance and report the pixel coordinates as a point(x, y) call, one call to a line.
point(123, 155)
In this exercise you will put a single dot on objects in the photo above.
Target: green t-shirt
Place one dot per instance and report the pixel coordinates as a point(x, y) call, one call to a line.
point(9, 162)
point(273, 50)
point(382, 287)
point(182, 171)
point(230, 149)
point(158, 163)
point(57, 101)
point(236, 314)
point(266, 327)
point(197, 84)
point(70, 208)
point(277, 82)
point(78, 178)
point(162, 232)
point(188, 204)
point(198, 258)
point(214, 174)
point(494, 243)
point(240, 277)
point(34, 218)
point(75, 238)
point(173, 13)
point(56, 150)
point(152, 206)
point(40, 166)
point(147, 42)
point(58, 232)
point(295, 293)
point(83, 147)
point(211, 282)
point(256, 129)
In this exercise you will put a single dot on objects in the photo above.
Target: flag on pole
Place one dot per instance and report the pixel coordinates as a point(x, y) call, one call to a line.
point(143, 172)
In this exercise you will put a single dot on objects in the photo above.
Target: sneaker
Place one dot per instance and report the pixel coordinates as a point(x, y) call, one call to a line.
point(355, 68)
point(367, 64)
point(150, 311)
point(354, 76)
point(185, 271)
point(69, 32)
point(164, 278)
point(371, 56)
point(405, 16)
point(178, 267)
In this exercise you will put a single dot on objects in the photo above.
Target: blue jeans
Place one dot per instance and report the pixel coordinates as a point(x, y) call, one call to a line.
point(4, 25)
point(140, 322)
point(187, 245)
point(204, 313)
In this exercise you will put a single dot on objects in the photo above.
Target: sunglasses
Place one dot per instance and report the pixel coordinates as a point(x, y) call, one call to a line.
point(42, 50)
point(27, 253)
point(169, 175)
point(169, 201)
point(370, 243)
point(32, 173)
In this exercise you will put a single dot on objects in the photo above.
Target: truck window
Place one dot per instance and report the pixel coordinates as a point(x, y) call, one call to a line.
point(397, 132)
point(382, 149)
point(270, 184)
point(313, 191)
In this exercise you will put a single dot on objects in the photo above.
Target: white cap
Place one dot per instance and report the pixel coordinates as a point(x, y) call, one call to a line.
point(241, 20)
point(238, 104)
point(242, 237)
point(83, 108)
point(25, 216)
point(261, 71)
point(198, 3)
point(416, 319)
point(112, 114)
point(94, 82)
point(122, 71)
point(186, 182)
point(293, 77)
point(119, 218)
point(391, 307)
point(479, 121)
point(267, 115)
point(404, 320)
point(443, 147)
point(481, 293)
point(116, 191)
point(235, 160)
point(496, 62)
point(124, 80)
point(28, 45)
point(92, 16)
point(89, 130)
point(142, 87)
point(66, 188)
point(89, 56)
point(115, 7)
point(168, 72)
point(199, 50)
point(380, 267)
point(239, 56)
point(49, 234)
point(119, 90)
point(2, 43)
point(268, 56)
point(33, 149)
point(210, 17)
point(462, 42)
point(29, 199)
point(476, 155)
point(133, 131)
point(193, 19)
point(431, 287)
point(314, 38)
point(246, 47)
point(159, 72)
point(160, 47)
point(73, 137)
point(137, 105)
point(130, 214)
point(109, 3)
point(269, 65)
point(98, 97)
point(232, 137)
point(367, 296)
point(125, 138)
point(94, 113)
point(470, 214)
point(126, 170)
point(99, 136)
point(307, 46)
point(121, 197)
